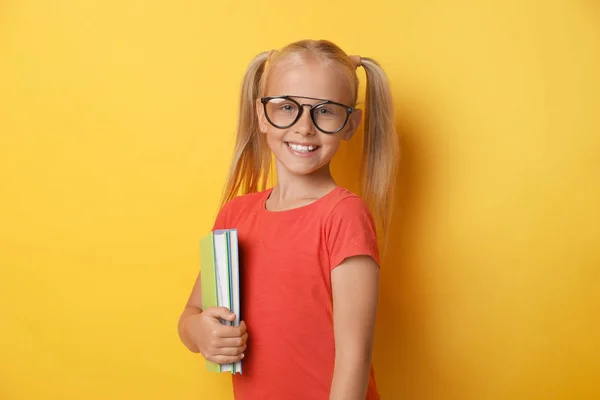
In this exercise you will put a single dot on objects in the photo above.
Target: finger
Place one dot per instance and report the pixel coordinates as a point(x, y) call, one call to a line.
point(226, 359)
point(232, 341)
point(230, 351)
point(228, 331)
point(220, 312)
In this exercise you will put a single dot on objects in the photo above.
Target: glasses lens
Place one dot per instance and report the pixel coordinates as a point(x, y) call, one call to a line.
point(281, 112)
point(330, 117)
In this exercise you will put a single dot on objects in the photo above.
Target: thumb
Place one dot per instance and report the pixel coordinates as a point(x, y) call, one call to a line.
point(220, 312)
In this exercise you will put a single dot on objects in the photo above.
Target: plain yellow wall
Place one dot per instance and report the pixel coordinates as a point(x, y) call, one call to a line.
point(117, 121)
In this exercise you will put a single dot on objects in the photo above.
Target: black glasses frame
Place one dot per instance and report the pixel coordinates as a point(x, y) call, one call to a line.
point(265, 100)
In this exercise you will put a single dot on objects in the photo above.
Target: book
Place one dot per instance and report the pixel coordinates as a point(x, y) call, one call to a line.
point(220, 280)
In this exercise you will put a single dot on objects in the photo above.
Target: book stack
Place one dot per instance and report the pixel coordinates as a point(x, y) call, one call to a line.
point(220, 279)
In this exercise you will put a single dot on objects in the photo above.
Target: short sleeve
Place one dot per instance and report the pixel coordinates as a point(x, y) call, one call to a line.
point(351, 231)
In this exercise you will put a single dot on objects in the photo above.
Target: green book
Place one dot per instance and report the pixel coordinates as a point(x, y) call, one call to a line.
point(219, 273)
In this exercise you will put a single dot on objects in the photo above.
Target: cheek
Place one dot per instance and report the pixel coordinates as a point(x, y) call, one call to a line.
point(274, 136)
point(331, 142)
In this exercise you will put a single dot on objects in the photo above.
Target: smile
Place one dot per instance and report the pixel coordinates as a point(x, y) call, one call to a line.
point(302, 148)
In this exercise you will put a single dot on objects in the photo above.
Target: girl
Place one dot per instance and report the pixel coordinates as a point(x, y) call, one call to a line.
point(309, 254)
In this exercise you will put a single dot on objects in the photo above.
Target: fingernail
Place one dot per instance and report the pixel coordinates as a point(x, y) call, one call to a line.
point(243, 355)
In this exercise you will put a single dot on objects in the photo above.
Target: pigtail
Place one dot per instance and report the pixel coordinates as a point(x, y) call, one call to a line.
point(381, 145)
point(251, 157)
point(251, 161)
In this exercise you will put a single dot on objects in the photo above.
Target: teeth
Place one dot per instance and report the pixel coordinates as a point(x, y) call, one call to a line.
point(301, 148)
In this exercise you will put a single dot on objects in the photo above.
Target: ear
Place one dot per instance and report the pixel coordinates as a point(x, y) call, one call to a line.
point(262, 120)
point(353, 123)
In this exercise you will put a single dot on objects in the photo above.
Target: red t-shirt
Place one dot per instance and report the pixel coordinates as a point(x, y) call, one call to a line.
point(286, 258)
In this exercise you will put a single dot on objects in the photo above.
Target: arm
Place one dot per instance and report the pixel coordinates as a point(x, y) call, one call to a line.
point(355, 294)
point(192, 307)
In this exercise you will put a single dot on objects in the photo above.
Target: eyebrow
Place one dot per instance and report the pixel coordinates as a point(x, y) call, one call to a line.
point(313, 98)
point(308, 98)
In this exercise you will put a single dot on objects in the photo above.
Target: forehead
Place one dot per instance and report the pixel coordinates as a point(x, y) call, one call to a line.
point(310, 78)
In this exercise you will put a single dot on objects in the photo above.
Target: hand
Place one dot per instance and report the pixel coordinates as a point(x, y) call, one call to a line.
point(218, 343)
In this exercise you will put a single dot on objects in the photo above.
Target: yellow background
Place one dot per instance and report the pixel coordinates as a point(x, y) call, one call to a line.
point(117, 122)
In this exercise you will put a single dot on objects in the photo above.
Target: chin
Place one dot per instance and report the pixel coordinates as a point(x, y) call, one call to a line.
point(299, 169)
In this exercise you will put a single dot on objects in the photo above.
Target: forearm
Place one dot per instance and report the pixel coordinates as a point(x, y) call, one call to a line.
point(188, 312)
point(351, 376)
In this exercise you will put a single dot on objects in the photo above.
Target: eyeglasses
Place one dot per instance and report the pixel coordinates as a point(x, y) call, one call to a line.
point(328, 116)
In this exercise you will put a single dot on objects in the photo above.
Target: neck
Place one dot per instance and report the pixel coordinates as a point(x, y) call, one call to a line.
point(291, 186)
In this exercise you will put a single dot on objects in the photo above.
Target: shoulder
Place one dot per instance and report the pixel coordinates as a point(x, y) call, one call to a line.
point(349, 229)
point(241, 205)
point(347, 211)
point(245, 200)
point(344, 203)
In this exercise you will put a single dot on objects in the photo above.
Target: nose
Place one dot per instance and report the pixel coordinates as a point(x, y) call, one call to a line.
point(305, 125)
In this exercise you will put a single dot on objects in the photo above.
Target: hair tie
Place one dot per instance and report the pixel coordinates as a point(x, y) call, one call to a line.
point(356, 61)
point(271, 54)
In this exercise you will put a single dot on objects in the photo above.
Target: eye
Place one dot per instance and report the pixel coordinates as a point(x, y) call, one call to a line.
point(325, 111)
point(288, 107)
point(281, 106)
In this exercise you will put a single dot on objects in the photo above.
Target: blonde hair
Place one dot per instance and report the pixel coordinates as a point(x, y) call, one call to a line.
point(252, 158)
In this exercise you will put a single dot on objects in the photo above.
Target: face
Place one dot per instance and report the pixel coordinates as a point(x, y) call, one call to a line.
point(303, 149)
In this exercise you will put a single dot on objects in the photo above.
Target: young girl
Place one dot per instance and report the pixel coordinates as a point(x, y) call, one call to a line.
point(309, 255)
